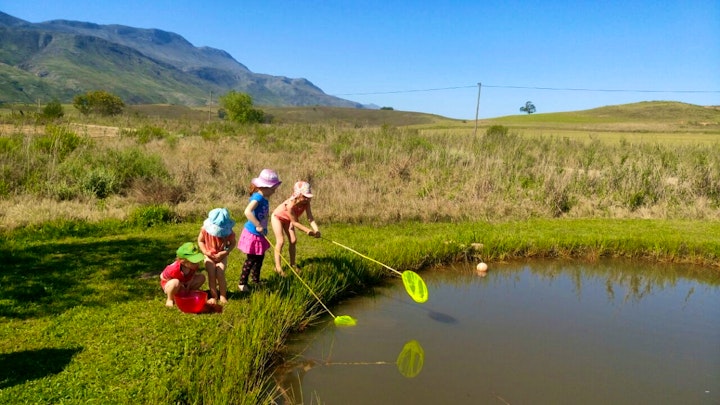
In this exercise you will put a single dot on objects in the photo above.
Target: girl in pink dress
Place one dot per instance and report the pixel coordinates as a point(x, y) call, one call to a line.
point(252, 239)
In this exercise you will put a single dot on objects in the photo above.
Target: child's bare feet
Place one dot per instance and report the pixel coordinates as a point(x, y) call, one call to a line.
point(223, 300)
point(279, 271)
point(211, 301)
point(169, 303)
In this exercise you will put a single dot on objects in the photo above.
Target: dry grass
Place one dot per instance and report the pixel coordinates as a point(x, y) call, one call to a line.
point(381, 174)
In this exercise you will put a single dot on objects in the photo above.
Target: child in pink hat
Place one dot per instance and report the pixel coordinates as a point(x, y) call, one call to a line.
point(217, 240)
point(285, 218)
point(252, 239)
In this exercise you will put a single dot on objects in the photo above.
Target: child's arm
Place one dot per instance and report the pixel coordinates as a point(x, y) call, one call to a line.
point(313, 224)
point(250, 215)
point(296, 222)
point(202, 246)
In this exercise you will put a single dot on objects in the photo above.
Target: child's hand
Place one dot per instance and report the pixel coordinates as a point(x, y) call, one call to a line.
point(259, 229)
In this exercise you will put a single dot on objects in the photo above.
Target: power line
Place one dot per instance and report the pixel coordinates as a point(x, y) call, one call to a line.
point(403, 91)
point(534, 88)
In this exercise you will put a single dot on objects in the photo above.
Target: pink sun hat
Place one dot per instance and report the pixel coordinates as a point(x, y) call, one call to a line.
point(267, 178)
point(302, 187)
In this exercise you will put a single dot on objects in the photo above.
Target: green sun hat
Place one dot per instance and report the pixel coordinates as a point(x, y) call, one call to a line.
point(190, 252)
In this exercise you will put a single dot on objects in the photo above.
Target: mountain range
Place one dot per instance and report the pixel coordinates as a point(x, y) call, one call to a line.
point(59, 59)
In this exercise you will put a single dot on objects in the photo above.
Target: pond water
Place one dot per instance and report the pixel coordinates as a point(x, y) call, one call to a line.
point(541, 332)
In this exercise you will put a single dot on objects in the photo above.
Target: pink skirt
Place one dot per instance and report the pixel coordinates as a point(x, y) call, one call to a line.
point(252, 244)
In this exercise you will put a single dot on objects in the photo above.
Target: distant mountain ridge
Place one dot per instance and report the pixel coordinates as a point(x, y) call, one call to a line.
point(60, 58)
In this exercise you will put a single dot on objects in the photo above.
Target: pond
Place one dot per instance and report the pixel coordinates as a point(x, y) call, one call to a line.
point(540, 332)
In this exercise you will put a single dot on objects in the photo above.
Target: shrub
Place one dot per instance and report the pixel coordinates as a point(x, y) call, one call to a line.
point(53, 110)
point(58, 142)
point(147, 133)
point(99, 102)
point(151, 215)
point(104, 173)
point(100, 182)
point(497, 131)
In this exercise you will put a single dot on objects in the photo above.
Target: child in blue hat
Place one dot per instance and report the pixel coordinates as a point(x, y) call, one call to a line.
point(217, 240)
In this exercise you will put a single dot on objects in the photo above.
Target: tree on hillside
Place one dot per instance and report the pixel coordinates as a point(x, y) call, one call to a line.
point(528, 108)
point(98, 102)
point(239, 108)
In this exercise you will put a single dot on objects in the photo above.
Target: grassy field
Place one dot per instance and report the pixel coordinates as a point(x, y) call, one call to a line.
point(93, 209)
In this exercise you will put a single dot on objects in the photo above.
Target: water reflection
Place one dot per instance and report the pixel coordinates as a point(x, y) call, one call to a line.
point(535, 332)
point(409, 364)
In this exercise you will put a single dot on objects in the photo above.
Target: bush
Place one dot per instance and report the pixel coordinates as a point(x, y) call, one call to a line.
point(98, 102)
point(147, 133)
point(105, 173)
point(58, 142)
point(497, 131)
point(151, 215)
point(52, 111)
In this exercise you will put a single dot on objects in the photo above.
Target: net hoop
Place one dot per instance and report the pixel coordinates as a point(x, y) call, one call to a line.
point(415, 286)
point(345, 320)
point(410, 360)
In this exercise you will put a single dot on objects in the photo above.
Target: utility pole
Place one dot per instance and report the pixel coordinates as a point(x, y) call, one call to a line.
point(210, 106)
point(477, 108)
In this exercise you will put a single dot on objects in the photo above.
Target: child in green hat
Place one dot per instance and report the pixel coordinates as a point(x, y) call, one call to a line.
point(181, 274)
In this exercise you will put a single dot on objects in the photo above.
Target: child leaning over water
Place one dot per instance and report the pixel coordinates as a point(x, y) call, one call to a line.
point(285, 218)
point(181, 275)
point(217, 240)
point(252, 239)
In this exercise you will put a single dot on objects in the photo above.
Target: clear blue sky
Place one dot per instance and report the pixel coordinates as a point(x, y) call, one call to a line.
point(430, 57)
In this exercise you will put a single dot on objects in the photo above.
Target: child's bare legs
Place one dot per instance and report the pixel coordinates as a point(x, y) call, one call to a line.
point(221, 280)
point(291, 246)
point(171, 288)
point(278, 228)
point(217, 280)
point(212, 280)
point(196, 283)
point(174, 286)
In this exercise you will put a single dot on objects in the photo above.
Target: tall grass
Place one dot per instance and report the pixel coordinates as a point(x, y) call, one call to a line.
point(382, 174)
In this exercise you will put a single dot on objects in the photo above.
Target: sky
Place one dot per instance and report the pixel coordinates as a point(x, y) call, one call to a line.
point(456, 58)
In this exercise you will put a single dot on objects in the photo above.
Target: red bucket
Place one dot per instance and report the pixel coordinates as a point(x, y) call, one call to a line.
point(192, 302)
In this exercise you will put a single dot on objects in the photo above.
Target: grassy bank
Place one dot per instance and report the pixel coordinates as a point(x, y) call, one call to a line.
point(83, 318)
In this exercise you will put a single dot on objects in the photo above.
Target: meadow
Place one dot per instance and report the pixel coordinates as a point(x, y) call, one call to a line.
point(92, 209)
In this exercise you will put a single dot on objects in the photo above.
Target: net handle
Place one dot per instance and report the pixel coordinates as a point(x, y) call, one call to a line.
point(408, 288)
point(301, 280)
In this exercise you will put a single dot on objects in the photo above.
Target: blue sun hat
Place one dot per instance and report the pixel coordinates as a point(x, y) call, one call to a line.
point(219, 223)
